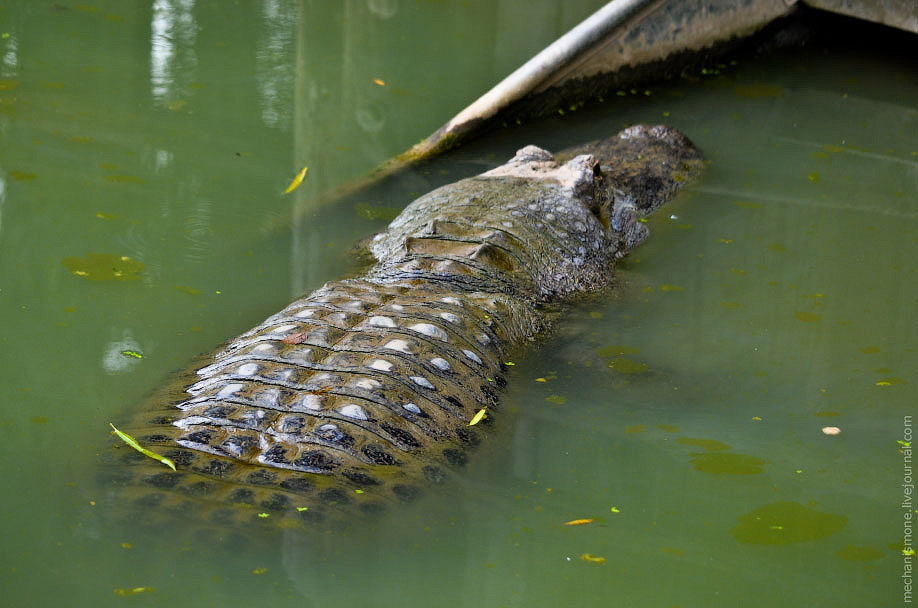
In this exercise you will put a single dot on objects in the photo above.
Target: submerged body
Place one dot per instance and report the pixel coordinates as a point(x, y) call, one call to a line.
point(361, 393)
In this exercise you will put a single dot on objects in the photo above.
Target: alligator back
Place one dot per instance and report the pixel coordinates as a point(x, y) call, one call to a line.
point(358, 395)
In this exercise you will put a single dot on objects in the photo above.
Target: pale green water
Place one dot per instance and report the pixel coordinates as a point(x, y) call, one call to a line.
point(783, 289)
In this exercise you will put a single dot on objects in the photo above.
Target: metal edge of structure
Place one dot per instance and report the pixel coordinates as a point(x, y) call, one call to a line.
point(624, 41)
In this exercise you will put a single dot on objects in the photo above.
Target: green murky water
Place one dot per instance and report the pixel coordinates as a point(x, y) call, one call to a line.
point(146, 144)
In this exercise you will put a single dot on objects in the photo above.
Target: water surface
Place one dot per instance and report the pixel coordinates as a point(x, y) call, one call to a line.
point(683, 414)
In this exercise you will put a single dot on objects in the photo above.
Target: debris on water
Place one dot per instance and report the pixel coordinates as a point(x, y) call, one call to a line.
point(615, 510)
point(579, 522)
point(132, 353)
point(831, 430)
point(379, 81)
point(149, 453)
point(807, 317)
point(259, 570)
point(665, 287)
point(479, 416)
point(134, 591)
point(593, 559)
point(296, 180)
point(104, 267)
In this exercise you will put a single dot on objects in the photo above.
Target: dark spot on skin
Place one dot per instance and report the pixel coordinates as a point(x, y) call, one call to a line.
point(276, 502)
point(454, 402)
point(373, 508)
point(237, 446)
point(467, 436)
point(277, 455)
point(489, 393)
point(401, 435)
point(315, 461)
point(220, 411)
point(434, 475)
point(150, 500)
point(154, 439)
point(262, 478)
point(181, 458)
point(243, 495)
point(361, 478)
point(331, 432)
point(455, 457)
point(377, 455)
point(312, 516)
point(199, 488)
point(216, 468)
point(201, 437)
point(223, 517)
point(292, 424)
point(163, 480)
point(406, 493)
point(296, 484)
point(334, 495)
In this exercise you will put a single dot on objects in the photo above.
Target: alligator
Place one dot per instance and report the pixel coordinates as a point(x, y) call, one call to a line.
point(356, 396)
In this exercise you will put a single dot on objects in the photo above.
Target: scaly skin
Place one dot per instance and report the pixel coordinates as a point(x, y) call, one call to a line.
point(369, 384)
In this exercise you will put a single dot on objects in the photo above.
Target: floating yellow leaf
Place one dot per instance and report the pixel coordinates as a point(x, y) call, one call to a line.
point(133, 443)
point(259, 570)
point(479, 416)
point(264, 515)
point(132, 353)
point(615, 510)
point(301, 509)
point(379, 81)
point(134, 591)
point(593, 559)
point(541, 380)
point(104, 267)
point(578, 522)
point(807, 317)
point(296, 180)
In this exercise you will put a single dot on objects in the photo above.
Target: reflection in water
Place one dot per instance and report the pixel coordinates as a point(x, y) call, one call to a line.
point(273, 62)
point(172, 54)
point(115, 360)
point(10, 63)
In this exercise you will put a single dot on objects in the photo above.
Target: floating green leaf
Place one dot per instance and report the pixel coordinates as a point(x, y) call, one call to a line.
point(133, 443)
point(132, 353)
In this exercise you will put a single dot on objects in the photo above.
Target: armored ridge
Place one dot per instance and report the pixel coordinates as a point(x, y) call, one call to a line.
point(369, 384)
